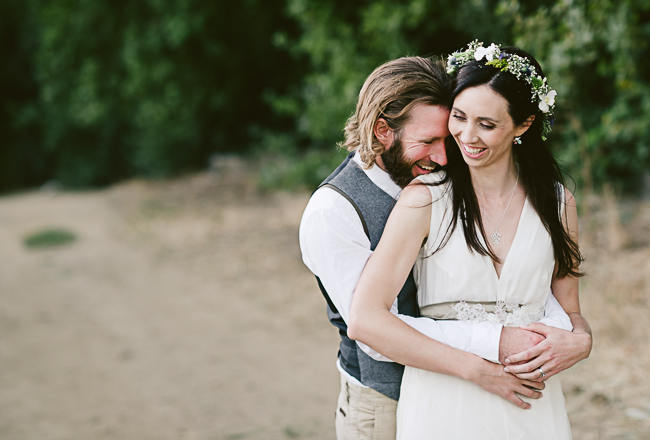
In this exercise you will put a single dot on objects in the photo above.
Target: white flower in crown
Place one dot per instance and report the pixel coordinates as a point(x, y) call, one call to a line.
point(480, 53)
point(489, 52)
point(547, 101)
point(492, 52)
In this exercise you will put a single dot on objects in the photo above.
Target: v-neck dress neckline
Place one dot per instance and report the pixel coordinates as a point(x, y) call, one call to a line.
point(512, 245)
point(456, 273)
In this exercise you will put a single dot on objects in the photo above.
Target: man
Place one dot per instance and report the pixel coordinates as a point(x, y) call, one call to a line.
point(398, 132)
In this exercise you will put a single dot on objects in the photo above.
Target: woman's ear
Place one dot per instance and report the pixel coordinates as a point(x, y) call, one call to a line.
point(383, 133)
point(524, 126)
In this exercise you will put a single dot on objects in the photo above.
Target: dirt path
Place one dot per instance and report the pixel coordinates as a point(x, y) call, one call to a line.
point(183, 311)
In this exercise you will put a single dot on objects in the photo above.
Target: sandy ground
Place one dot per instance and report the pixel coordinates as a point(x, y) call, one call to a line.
point(183, 311)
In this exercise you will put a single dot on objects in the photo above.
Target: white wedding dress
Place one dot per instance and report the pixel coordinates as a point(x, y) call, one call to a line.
point(456, 283)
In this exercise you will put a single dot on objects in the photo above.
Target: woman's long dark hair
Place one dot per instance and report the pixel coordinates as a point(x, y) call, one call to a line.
point(539, 173)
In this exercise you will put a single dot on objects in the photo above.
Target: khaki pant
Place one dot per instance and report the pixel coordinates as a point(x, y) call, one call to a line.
point(364, 414)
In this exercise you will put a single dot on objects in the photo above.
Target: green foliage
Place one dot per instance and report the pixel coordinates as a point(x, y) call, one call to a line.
point(344, 41)
point(110, 89)
point(286, 168)
point(150, 87)
point(50, 237)
point(94, 91)
point(595, 54)
point(20, 161)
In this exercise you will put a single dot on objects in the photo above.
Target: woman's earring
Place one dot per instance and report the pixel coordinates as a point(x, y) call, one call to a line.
point(517, 140)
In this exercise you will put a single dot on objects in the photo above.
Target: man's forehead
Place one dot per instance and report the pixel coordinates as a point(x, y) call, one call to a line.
point(426, 118)
point(427, 133)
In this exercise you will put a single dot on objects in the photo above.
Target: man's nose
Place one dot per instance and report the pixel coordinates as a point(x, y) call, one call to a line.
point(438, 154)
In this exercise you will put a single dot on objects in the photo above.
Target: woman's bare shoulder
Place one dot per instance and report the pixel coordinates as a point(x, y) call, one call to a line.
point(425, 189)
point(415, 194)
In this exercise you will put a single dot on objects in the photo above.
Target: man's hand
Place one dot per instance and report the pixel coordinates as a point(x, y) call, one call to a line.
point(493, 379)
point(559, 350)
point(515, 340)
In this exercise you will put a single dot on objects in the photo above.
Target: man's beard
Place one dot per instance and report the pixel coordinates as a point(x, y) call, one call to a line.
point(399, 170)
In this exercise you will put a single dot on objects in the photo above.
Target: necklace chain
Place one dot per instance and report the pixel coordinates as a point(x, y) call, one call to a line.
point(496, 235)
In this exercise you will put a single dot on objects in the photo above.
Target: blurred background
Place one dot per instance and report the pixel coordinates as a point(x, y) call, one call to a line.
point(157, 156)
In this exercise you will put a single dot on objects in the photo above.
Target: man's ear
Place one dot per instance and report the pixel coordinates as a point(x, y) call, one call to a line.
point(524, 126)
point(383, 133)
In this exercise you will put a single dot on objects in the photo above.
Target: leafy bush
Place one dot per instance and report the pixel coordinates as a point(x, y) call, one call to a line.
point(108, 89)
point(291, 171)
point(595, 54)
point(95, 91)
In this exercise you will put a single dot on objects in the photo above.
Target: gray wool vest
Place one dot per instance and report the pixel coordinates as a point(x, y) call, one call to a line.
point(373, 206)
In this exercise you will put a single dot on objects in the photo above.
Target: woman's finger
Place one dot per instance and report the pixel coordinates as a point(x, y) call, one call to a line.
point(527, 355)
point(535, 376)
point(528, 367)
point(529, 392)
point(534, 384)
point(516, 400)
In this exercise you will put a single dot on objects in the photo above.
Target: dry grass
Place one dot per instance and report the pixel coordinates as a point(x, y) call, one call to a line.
point(608, 395)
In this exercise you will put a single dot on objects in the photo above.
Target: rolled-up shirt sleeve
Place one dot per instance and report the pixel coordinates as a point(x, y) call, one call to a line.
point(555, 316)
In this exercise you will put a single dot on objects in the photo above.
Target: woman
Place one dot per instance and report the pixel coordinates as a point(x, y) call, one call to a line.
point(499, 234)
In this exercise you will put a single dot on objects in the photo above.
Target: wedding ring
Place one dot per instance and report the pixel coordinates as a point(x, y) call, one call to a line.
point(541, 372)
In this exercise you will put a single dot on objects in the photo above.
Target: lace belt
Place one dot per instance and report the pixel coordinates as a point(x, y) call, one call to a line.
point(494, 311)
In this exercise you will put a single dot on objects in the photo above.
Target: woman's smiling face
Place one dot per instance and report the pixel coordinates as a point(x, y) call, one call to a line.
point(482, 126)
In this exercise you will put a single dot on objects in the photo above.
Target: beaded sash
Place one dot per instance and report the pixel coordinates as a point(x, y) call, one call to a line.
point(510, 314)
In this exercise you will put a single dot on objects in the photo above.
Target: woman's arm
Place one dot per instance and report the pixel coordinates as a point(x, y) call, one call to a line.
point(372, 323)
point(561, 349)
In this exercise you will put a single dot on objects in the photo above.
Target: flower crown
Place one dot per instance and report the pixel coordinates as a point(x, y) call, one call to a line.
point(517, 65)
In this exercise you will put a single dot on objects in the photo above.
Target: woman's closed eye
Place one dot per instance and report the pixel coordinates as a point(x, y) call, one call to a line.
point(483, 125)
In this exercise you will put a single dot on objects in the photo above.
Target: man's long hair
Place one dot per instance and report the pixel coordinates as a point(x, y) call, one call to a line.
point(390, 92)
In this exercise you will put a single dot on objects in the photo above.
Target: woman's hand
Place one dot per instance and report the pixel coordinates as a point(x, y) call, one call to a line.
point(493, 379)
point(559, 350)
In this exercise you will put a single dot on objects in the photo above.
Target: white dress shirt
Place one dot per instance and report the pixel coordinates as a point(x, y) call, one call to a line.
point(335, 248)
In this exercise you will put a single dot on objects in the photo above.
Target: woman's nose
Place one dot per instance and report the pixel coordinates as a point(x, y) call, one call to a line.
point(467, 135)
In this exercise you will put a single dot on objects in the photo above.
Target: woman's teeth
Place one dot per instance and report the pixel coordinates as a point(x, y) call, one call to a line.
point(471, 150)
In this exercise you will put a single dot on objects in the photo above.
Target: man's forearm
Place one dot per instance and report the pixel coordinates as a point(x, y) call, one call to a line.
point(479, 338)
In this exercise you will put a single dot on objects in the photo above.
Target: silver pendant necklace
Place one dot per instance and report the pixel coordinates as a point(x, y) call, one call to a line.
point(496, 236)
